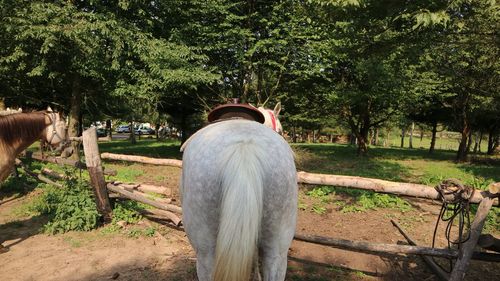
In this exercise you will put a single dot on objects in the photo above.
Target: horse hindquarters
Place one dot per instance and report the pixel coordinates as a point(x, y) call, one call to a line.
point(222, 205)
point(251, 170)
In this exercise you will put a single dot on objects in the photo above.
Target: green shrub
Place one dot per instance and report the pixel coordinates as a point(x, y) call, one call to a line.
point(321, 191)
point(126, 211)
point(69, 208)
point(369, 200)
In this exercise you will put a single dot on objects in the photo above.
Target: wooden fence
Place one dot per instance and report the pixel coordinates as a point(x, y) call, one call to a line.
point(172, 213)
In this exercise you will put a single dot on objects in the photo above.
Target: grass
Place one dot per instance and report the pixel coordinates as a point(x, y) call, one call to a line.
point(144, 147)
point(444, 140)
point(395, 164)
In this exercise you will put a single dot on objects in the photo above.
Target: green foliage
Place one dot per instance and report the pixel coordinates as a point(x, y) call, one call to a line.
point(149, 231)
point(363, 200)
point(127, 174)
point(318, 209)
point(366, 200)
point(126, 211)
point(321, 191)
point(134, 232)
point(71, 208)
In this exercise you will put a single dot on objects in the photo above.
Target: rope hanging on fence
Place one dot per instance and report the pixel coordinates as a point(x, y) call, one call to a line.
point(456, 204)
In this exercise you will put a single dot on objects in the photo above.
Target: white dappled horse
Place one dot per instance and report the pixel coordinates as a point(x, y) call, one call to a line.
point(271, 118)
point(239, 200)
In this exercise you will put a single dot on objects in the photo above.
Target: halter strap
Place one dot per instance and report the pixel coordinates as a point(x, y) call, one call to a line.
point(54, 129)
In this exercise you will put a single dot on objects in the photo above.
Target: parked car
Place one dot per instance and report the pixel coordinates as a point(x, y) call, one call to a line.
point(101, 132)
point(123, 129)
point(144, 131)
point(147, 131)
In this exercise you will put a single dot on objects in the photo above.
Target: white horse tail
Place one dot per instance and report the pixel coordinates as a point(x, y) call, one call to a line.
point(241, 211)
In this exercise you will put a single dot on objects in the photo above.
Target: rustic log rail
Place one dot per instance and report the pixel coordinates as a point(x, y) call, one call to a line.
point(377, 185)
point(142, 159)
point(140, 197)
point(367, 247)
point(64, 161)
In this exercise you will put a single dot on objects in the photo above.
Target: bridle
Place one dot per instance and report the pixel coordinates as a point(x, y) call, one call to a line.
point(63, 141)
point(273, 120)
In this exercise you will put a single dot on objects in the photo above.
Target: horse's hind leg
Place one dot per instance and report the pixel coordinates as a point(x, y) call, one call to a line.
point(274, 262)
point(204, 265)
point(274, 247)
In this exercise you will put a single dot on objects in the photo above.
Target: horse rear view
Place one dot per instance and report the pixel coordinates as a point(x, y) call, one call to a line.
point(239, 200)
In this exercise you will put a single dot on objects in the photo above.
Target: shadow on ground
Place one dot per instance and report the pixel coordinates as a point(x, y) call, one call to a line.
point(19, 230)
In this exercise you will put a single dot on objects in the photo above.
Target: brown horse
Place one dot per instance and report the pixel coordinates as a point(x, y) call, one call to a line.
point(20, 130)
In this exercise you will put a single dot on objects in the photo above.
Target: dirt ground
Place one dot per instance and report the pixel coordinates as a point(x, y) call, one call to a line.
point(167, 255)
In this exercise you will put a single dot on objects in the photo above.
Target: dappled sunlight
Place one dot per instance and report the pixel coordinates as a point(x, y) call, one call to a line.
point(395, 164)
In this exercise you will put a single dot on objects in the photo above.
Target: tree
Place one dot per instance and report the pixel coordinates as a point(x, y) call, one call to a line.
point(465, 56)
point(95, 53)
point(367, 49)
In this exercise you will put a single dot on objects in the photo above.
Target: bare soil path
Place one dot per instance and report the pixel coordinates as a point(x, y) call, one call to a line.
point(98, 255)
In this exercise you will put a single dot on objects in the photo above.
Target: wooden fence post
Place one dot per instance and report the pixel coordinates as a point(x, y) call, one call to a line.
point(466, 252)
point(93, 161)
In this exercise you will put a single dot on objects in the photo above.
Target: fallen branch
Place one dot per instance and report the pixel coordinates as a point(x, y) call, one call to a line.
point(53, 174)
point(146, 187)
point(39, 177)
point(428, 260)
point(366, 247)
point(142, 159)
point(162, 215)
point(143, 199)
point(406, 189)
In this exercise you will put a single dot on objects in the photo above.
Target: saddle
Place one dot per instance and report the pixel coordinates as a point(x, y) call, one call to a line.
point(235, 111)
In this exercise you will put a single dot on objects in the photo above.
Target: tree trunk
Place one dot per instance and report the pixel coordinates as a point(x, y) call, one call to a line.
point(132, 133)
point(362, 139)
point(294, 132)
point(2, 104)
point(403, 132)
point(388, 138)
point(362, 146)
point(493, 140)
point(352, 138)
point(421, 133)
point(411, 134)
point(75, 114)
point(433, 137)
point(469, 141)
point(480, 140)
point(157, 129)
point(376, 136)
point(109, 130)
point(462, 149)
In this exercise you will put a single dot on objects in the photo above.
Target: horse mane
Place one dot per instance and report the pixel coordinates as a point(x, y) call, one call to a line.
point(22, 126)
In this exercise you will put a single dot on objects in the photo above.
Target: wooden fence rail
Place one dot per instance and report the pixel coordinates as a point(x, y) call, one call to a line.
point(377, 185)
